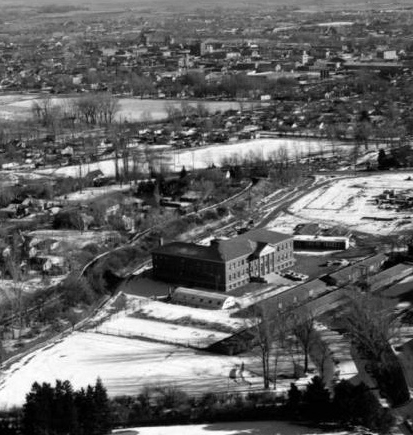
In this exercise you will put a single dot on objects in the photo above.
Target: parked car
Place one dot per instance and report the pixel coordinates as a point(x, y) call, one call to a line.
point(295, 276)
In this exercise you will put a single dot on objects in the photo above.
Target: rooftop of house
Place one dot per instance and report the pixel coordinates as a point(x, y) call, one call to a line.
point(248, 243)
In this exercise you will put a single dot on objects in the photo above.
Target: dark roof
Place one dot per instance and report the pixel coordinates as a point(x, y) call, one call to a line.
point(356, 270)
point(224, 250)
point(266, 236)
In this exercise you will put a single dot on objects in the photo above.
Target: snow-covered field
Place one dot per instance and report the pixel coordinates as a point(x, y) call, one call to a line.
point(199, 158)
point(18, 106)
point(90, 193)
point(233, 428)
point(125, 366)
point(71, 239)
point(9, 290)
point(136, 109)
point(125, 326)
point(286, 222)
point(13, 177)
point(177, 313)
point(351, 202)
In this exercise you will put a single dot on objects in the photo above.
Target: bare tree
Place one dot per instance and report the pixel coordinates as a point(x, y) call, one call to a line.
point(108, 106)
point(94, 108)
point(87, 108)
point(370, 324)
point(16, 269)
point(303, 328)
point(269, 326)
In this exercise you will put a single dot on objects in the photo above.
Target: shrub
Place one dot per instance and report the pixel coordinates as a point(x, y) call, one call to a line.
point(356, 405)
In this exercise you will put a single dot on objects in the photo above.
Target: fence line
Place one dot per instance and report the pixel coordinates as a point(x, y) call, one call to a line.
point(190, 343)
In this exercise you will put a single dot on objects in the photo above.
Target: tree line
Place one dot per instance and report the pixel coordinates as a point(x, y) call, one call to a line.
point(92, 108)
point(61, 410)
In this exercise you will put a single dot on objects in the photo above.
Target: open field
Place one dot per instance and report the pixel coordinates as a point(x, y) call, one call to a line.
point(128, 365)
point(126, 326)
point(92, 193)
point(11, 178)
point(234, 428)
point(156, 310)
point(9, 290)
point(203, 157)
point(351, 202)
point(19, 107)
point(72, 239)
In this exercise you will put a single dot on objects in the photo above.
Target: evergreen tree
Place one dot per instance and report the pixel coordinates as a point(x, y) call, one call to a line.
point(183, 173)
point(37, 411)
point(294, 400)
point(82, 406)
point(102, 409)
point(356, 405)
point(63, 411)
point(316, 400)
point(382, 159)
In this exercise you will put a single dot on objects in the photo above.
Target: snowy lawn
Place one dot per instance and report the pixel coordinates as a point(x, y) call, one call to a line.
point(125, 366)
point(72, 239)
point(233, 428)
point(132, 327)
point(128, 365)
point(202, 157)
point(180, 313)
point(351, 202)
point(10, 290)
point(91, 193)
point(132, 109)
point(286, 222)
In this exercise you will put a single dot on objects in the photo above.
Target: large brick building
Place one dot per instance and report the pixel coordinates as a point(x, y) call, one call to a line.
point(224, 264)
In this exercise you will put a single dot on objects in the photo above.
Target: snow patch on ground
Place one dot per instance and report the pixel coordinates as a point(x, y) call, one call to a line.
point(124, 365)
point(123, 326)
point(169, 312)
point(233, 428)
point(10, 290)
point(351, 202)
point(203, 157)
point(91, 193)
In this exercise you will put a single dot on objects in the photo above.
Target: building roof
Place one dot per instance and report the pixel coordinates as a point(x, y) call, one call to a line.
point(225, 250)
point(358, 269)
point(179, 291)
point(391, 275)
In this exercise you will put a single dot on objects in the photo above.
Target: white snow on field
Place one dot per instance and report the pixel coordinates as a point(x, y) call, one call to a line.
point(128, 365)
point(12, 177)
point(233, 428)
point(199, 158)
point(131, 109)
point(91, 193)
point(136, 109)
point(132, 327)
point(163, 311)
point(285, 223)
point(351, 202)
point(124, 365)
point(9, 290)
point(72, 239)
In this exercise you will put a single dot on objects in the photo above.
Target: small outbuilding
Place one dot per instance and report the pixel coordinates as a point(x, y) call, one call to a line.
point(203, 299)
